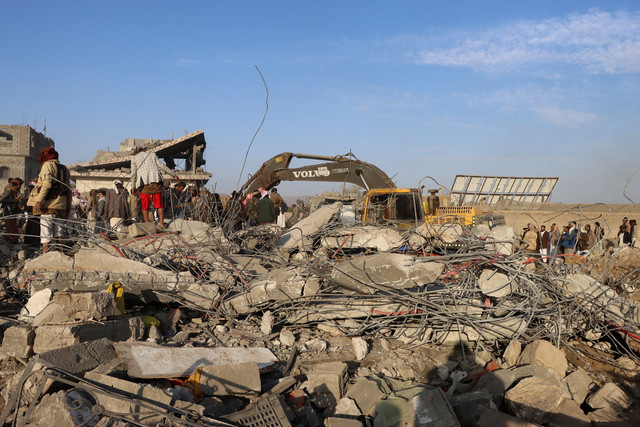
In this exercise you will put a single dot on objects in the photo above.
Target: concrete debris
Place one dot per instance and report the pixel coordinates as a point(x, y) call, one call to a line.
point(149, 361)
point(327, 322)
point(230, 379)
point(534, 400)
point(543, 353)
point(366, 237)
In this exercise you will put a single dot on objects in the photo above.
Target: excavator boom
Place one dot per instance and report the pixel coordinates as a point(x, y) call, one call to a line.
point(335, 169)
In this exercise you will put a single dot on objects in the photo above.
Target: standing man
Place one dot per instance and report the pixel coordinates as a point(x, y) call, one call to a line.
point(51, 197)
point(266, 211)
point(117, 205)
point(146, 170)
point(544, 243)
point(278, 203)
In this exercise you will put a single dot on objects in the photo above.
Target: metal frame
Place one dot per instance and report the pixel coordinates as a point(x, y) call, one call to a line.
point(470, 189)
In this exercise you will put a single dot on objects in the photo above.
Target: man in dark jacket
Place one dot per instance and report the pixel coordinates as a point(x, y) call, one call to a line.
point(266, 211)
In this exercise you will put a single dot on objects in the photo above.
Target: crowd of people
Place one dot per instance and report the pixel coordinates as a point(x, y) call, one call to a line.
point(556, 242)
point(48, 208)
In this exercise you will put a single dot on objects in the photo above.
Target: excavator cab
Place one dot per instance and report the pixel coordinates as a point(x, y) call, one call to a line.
point(401, 207)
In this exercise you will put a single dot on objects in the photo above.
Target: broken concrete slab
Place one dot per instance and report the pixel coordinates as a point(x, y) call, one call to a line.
point(36, 303)
point(87, 305)
point(495, 284)
point(50, 261)
point(145, 360)
point(64, 408)
point(139, 229)
point(611, 397)
point(431, 407)
point(363, 237)
point(295, 237)
point(385, 269)
point(543, 353)
point(569, 413)
point(124, 405)
point(579, 384)
point(198, 233)
point(366, 394)
point(534, 400)
point(468, 406)
point(80, 358)
point(512, 353)
point(279, 285)
point(230, 379)
point(18, 341)
point(52, 313)
point(51, 337)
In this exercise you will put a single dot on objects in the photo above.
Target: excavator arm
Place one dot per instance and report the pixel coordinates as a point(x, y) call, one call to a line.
point(335, 169)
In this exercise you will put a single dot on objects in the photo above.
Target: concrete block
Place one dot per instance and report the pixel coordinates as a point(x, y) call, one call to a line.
point(327, 382)
point(347, 408)
point(231, 379)
point(512, 353)
point(138, 229)
point(36, 303)
point(52, 313)
point(534, 400)
point(366, 394)
point(467, 406)
point(360, 347)
point(18, 341)
point(432, 408)
point(610, 396)
point(64, 408)
point(543, 353)
point(569, 414)
point(496, 384)
point(87, 305)
point(495, 284)
point(51, 337)
point(493, 418)
point(4, 325)
point(287, 338)
point(129, 406)
point(579, 383)
point(80, 358)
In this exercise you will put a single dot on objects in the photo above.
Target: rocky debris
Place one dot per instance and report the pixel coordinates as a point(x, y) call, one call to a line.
point(319, 324)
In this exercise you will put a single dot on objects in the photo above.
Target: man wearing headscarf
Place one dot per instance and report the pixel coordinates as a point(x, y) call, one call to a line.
point(266, 212)
point(146, 176)
point(117, 207)
point(51, 197)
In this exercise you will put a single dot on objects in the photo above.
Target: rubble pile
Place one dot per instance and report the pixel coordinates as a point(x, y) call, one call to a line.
point(318, 324)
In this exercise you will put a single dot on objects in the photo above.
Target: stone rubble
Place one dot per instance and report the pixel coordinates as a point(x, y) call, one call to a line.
point(315, 325)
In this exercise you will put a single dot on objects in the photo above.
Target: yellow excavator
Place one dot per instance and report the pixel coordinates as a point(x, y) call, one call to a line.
point(382, 203)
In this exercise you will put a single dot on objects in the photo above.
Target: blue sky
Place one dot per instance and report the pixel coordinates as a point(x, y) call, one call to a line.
point(419, 88)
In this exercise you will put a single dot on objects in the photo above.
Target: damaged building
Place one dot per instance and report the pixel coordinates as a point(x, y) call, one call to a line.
point(20, 146)
point(185, 155)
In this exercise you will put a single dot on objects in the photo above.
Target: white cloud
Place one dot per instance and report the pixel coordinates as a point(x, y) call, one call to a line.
point(602, 42)
point(183, 62)
point(564, 118)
